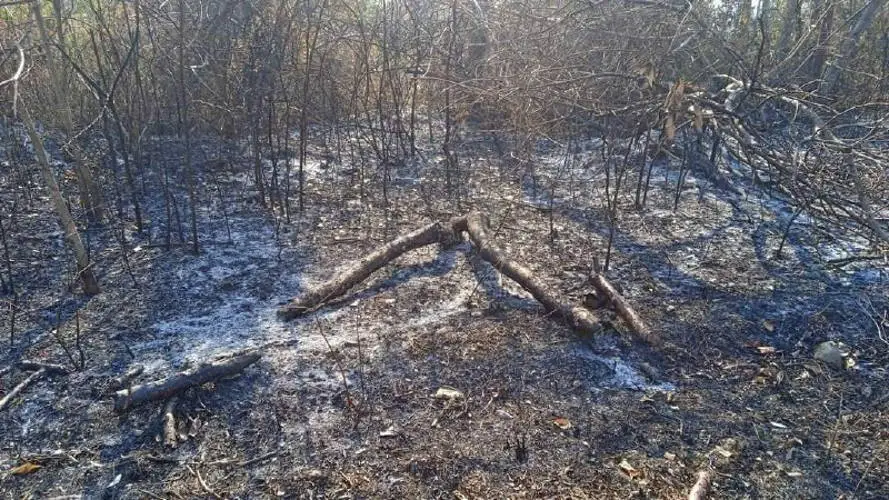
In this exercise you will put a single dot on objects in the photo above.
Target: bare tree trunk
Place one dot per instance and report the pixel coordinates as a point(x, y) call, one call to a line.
point(90, 194)
point(789, 27)
point(84, 267)
point(849, 45)
point(824, 10)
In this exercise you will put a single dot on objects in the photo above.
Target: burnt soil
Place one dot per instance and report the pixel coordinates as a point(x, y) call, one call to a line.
point(342, 403)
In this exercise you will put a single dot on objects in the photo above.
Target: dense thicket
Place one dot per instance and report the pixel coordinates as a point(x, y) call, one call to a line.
point(793, 90)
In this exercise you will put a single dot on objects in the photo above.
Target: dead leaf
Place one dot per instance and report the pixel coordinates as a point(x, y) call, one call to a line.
point(766, 349)
point(629, 470)
point(25, 468)
point(768, 325)
point(562, 423)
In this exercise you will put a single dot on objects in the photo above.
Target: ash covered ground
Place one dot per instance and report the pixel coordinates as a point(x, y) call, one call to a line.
point(342, 403)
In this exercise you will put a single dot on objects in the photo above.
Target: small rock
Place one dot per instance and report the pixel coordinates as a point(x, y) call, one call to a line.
point(391, 432)
point(448, 393)
point(829, 354)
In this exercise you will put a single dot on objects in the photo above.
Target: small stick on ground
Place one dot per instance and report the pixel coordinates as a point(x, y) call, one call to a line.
point(22, 386)
point(726, 452)
point(43, 369)
point(170, 437)
point(702, 486)
point(203, 483)
point(162, 389)
point(624, 309)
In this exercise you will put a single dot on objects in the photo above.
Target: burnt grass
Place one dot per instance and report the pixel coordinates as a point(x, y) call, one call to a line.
point(342, 404)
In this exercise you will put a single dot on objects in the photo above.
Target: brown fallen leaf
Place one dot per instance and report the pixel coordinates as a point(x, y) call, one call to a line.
point(25, 468)
point(768, 325)
point(562, 423)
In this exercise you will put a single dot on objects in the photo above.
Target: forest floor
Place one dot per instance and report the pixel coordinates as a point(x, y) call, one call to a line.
point(342, 403)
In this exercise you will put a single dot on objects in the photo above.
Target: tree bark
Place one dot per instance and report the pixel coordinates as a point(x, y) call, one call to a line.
point(475, 224)
point(789, 26)
point(579, 318)
point(161, 389)
point(360, 271)
point(624, 310)
point(84, 267)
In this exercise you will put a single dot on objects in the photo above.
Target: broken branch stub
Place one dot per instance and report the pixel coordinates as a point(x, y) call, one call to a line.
point(164, 388)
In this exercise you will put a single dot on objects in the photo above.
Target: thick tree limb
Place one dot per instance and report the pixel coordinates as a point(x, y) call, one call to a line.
point(164, 388)
point(359, 272)
point(475, 224)
point(624, 309)
point(580, 319)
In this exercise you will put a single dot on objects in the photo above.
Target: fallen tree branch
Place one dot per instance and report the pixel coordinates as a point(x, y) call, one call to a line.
point(22, 386)
point(42, 369)
point(624, 309)
point(124, 380)
point(476, 225)
point(170, 437)
point(126, 399)
point(51, 368)
point(345, 280)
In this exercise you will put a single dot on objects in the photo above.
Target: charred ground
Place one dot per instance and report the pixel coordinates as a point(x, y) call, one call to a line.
point(342, 402)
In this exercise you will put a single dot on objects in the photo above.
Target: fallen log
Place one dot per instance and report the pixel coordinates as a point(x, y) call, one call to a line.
point(624, 309)
point(347, 279)
point(580, 319)
point(126, 399)
point(475, 225)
